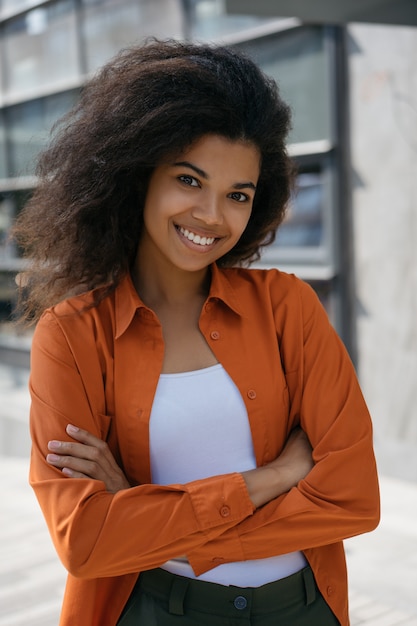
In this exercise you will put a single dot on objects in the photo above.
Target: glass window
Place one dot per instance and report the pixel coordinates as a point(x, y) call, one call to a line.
point(29, 124)
point(303, 225)
point(24, 121)
point(298, 59)
point(16, 4)
point(209, 20)
point(1, 61)
point(8, 295)
point(109, 25)
point(306, 235)
point(6, 218)
point(11, 203)
point(40, 48)
point(3, 162)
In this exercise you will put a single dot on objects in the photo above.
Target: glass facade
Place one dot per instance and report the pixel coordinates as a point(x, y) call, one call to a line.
point(307, 235)
point(298, 59)
point(109, 25)
point(209, 21)
point(40, 48)
point(28, 126)
point(3, 151)
point(16, 4)
point(11, 203)
point(303, 226)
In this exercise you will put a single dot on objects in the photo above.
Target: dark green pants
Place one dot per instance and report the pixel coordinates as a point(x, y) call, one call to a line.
point(164, 599)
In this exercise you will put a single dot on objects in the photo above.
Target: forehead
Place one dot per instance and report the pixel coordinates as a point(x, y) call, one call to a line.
point(215, 153)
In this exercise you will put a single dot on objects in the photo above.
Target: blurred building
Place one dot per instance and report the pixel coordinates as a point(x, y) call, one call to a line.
point(352, 227)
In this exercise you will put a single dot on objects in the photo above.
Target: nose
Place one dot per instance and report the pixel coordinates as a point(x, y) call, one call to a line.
point(208, 210)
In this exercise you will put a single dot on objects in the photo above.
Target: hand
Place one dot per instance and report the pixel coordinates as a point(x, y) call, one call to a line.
point(89, 458)
point(295, 459)
point(292, 465)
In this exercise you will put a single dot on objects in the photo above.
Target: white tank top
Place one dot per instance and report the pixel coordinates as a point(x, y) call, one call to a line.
point(199, 427)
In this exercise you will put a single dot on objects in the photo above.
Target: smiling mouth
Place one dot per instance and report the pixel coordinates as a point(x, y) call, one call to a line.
point(197, 239)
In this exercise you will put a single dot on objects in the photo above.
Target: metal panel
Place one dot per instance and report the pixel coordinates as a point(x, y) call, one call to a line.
point(401, 12)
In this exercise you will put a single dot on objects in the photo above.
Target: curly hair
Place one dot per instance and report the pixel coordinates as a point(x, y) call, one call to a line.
point(81, 227)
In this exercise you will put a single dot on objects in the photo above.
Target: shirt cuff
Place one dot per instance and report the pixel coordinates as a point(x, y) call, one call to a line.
point(220, 500)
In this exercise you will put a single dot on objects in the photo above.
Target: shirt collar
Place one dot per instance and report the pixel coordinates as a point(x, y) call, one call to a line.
point(221, 288)
point(128, 301)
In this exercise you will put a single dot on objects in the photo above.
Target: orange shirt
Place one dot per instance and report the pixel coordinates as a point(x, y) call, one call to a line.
point(98, 368)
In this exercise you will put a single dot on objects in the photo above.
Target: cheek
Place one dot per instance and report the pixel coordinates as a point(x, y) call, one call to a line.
point(243, 220)
point(156, 212)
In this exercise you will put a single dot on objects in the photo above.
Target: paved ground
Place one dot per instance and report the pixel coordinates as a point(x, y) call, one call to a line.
point(382, 565)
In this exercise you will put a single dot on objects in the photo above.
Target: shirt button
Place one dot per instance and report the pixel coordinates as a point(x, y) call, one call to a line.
point(251, 394)
point(225, 511)
point(217, 559)
point(330, 591)
point(240, 603)
point(215, 334)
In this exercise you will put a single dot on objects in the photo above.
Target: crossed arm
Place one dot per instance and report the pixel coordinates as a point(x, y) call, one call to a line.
point(90, 457)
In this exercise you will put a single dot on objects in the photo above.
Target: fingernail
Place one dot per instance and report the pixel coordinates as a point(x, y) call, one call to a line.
point(72, 429)
point(52, 458)
point(54, 445)
point(67, 471)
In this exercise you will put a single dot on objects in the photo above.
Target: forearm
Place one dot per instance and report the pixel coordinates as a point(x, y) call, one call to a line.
point(329, 506)
point(98, 534)
point(338, 499)
point(267, 483)
point(278, 477)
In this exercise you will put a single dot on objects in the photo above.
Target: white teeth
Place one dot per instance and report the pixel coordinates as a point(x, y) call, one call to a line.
point(202, 241)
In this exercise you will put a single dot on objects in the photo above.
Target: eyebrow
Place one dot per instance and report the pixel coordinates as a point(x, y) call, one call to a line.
point(203, 174)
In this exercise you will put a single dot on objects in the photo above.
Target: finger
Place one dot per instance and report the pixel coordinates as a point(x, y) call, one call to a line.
point(103, 455)
point(70, 448)
point(83, 436)
point(99, 449)
point(89, 469)
point(104, 466)
point(73, 467)
point(72, 474)
point(100, 455)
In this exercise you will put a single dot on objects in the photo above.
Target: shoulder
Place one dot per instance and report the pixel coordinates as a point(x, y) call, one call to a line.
point(277, 286)
point(262, 294)
point(78, 319)
point(79, 307)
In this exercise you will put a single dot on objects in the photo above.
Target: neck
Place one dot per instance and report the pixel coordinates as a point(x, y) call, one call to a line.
point(160, 284)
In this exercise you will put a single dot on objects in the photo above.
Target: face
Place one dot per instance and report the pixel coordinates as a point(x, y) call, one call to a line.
point(199, 203)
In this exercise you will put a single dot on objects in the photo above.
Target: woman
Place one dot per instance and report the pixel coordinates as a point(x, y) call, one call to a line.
point(200, 443)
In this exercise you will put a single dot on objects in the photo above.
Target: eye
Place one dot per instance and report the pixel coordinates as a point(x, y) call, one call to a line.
point(189, 180)
point(238, 196)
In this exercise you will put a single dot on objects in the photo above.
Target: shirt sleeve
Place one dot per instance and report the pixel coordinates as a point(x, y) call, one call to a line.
point(339, 498)
point(96, 533)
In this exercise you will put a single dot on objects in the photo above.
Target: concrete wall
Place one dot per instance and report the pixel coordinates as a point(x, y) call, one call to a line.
point(383, 87)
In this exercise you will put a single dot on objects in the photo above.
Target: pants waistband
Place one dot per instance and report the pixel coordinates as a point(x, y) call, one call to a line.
point(180, 592)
